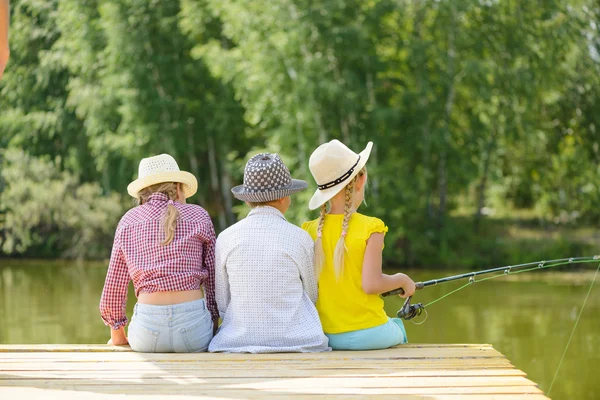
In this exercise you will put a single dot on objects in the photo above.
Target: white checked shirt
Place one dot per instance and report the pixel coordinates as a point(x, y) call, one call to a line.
point(266, 288)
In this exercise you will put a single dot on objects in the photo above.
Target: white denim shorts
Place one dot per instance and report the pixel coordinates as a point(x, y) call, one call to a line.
point(177, 328)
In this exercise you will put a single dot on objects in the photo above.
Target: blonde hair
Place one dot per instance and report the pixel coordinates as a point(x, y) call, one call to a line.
point(340, 248)
point(169, 219)
point(319, 257)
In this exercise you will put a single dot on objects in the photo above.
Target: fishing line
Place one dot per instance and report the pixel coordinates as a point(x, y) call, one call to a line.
point(424, 319)
point(409, 311)
point(508, 271)
point(573, 331)
point(450, 293)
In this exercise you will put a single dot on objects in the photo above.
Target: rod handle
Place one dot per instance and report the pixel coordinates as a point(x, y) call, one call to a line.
point(418, 286)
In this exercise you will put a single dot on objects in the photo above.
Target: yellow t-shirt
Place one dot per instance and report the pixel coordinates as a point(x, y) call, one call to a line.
point(343, 306)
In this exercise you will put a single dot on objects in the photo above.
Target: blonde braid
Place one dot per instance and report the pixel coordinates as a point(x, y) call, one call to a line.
point(319, 259)
point(169, 219)
point(340, 248)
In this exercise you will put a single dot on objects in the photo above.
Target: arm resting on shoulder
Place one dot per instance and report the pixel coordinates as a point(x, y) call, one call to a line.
point(374, 281)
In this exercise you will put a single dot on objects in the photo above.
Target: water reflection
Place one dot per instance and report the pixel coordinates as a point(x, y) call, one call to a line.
point(530, 322)
point(52, 303)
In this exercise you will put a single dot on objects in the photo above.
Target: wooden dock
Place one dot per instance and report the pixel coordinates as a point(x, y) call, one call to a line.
point(412, 371)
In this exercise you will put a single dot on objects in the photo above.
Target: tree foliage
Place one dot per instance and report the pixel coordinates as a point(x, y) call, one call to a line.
point(473, 106)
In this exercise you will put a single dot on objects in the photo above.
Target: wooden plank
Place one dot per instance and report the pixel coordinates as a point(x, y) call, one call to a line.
point(392, 354)
point(334, 355)
point(157, 373)
point(21, 348)
point(396, 364)
point(277, 383)
point(201, 390)
point(98, 371)
point(404, 365)
point(34, 393)
point(522, 390)
point(468, 396)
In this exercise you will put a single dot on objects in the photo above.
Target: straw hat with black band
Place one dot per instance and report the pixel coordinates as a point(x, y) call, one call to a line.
point(334, 165)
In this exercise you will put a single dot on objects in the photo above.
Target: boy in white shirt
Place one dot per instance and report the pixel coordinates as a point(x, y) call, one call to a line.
point(265, 283)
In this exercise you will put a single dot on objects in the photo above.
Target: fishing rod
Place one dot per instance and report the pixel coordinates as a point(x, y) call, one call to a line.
point(410, 311)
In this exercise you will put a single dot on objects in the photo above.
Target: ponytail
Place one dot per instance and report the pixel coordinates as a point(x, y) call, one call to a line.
point(168, 221)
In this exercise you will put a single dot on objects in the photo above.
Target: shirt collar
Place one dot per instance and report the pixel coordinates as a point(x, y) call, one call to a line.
point(266, 210)
point(157, 198)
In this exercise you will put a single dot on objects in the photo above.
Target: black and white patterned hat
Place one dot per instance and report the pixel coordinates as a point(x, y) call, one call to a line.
point(266, 178)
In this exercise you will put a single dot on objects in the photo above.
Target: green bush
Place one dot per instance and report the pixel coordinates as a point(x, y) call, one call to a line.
point(46, 212)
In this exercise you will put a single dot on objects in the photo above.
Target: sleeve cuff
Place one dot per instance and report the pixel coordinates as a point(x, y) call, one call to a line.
point(115, 326)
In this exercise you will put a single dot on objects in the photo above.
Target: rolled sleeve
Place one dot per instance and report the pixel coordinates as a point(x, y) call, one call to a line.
point(113, 303)
point(208, 265)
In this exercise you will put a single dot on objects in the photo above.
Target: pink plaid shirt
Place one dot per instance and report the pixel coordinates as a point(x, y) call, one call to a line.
point(185, 264)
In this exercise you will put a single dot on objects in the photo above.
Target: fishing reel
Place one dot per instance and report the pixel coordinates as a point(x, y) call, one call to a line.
point(410, 311)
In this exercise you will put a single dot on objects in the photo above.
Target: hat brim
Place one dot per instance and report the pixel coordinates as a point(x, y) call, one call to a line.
point(190, 184)
point(242, 193)
point(323, 196)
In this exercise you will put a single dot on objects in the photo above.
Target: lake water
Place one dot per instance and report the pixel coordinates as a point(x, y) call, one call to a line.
point(528, 320)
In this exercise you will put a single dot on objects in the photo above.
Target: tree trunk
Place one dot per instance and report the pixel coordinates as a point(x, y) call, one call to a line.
point(194, 167)
point(345, 131)
point(226, 192)
point(301, 148)
point(373, 106)
point(443, 190)
point(481, 187)
point(442, 169)
point(319, 126)
point(424, 104)
point(165, 117)
point(427, 167)
point(214, 182)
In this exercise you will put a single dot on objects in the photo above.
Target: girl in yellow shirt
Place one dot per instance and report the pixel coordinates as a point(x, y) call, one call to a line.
point(348, 247)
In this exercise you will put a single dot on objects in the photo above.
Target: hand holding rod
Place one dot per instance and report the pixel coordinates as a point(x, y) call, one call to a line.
point(418, 285)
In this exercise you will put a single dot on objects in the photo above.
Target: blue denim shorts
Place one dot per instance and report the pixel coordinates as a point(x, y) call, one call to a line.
point(177, 328)
point(383, 336)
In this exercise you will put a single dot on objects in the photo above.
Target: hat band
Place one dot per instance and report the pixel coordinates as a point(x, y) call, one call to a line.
point(340, 179)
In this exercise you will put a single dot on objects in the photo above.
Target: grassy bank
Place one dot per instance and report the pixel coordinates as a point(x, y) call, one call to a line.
point(497, 242)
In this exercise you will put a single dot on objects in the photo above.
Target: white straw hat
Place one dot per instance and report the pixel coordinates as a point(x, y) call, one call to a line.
point(160, 169)
point(334, 165)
